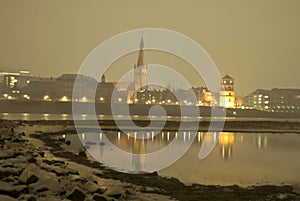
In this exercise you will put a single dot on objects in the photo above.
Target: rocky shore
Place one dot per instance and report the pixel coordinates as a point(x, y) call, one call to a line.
point(33, 167)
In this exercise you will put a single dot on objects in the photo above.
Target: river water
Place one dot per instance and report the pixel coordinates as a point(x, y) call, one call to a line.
point(238, 158)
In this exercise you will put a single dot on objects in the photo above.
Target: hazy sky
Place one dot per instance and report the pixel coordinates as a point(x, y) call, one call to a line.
point(257, 42)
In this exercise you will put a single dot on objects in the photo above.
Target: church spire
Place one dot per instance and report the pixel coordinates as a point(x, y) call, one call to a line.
point(142, 43)
point(141, 59)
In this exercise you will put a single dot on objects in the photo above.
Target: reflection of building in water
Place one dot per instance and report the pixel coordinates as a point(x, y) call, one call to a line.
point(140, 147)
point(226, 140)
point(261, 141)
point(138, 157)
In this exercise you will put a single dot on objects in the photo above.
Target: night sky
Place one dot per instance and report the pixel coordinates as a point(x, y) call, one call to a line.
point(256, 42)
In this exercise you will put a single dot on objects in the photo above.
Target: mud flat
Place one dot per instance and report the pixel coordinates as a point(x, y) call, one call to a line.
point(34, 167)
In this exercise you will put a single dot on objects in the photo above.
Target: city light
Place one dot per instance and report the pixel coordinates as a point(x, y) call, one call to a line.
point(46, 98)
point(64, 99)
point(26, 96)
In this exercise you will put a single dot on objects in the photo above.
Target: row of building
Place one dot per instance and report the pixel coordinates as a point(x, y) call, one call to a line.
point(21, 85)
point(274, 100)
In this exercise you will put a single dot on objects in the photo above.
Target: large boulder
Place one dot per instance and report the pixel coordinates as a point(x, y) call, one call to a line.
point(91, 187)
point(32, 174)
point(7, 198)
point(100, 197)
point(49, 184)
point(11, 189)
point(76, 195)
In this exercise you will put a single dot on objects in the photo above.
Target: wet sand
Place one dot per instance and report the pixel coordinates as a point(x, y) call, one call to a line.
point(62, 175)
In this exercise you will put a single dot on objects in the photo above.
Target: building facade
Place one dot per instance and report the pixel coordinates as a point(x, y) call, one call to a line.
point(227, 96)
point(274, 100)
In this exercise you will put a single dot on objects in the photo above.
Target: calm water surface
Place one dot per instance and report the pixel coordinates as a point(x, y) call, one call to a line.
point(239, 158)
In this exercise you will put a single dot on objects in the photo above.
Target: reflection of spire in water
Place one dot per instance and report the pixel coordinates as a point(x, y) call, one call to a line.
point(138, 156)
point(226, 140)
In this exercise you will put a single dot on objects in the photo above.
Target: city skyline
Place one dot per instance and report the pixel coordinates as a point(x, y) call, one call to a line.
point(256, 43)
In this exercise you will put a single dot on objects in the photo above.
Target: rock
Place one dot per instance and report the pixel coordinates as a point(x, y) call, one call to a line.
point(58, 171)
point(7, 198)
point(76, 195)
point(53, 162)
point(91, 187)
point(99, 197)
point(12, 190)
point(42, 154)
point(32, 174)
point(32, 160)
point(115, 192)
point(68, 142)
point(7, 164)
point(22, 134)
point(50, 184)
point(6, 172)
point(27, 197)
point(82, 153)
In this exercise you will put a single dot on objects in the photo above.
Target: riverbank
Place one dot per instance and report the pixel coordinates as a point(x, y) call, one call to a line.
point(36, 168)
point(87, 108)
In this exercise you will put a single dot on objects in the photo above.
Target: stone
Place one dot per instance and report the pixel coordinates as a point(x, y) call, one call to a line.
point(6, 172)
point(50, 198)
point(58, 171)
point(91, 187)
point(76, 195)
point(32, 174)
point(99, 197)
point(27, 197)
point(115, 192)
point(82, 153)
point(12, 190)
point(49, 184)
point(7, 198)
point(32, 160)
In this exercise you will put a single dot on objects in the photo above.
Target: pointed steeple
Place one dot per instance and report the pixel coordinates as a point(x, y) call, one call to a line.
point(142, 43)
point(141, 59)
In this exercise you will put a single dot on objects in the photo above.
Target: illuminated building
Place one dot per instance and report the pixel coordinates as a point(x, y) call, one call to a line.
point(41, 89)
point(104, 91)
point(227, 97)
point(259, 99)
point(65, 84)
point(275, 100)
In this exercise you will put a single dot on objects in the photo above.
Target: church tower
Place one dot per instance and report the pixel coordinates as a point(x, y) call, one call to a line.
point(140, 70)
point(227, 93)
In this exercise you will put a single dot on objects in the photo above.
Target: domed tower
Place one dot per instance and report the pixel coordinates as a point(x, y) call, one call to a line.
point(140, 70)
point(227, 92)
